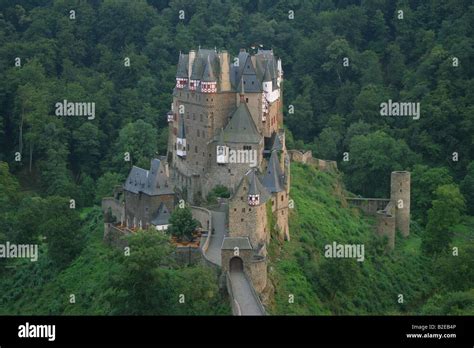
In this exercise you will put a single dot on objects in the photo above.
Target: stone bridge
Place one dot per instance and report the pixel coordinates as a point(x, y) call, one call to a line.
point(244, 298)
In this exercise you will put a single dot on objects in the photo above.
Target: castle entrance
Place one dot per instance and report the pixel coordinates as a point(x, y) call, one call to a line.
point(236, 264)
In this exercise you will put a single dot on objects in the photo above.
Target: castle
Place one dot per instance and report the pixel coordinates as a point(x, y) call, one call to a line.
point(225, 129)
point(223, 106)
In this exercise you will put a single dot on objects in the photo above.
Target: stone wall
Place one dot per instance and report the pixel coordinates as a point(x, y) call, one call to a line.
point(114, 236)
point(307, 158)
point(115, 206)
point(385, 225)
point(369, 206)
point(144, 208)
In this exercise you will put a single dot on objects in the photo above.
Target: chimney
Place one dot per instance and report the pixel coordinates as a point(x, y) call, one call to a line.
point(242, 91)
point(225, 71)
point(192, 55)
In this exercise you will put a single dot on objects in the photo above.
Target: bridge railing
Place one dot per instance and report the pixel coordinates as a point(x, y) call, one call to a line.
point(255, 295)
point(235, 305)
point(197, 214)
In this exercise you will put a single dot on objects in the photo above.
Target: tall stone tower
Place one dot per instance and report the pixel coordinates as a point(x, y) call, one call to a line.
point(400, 196)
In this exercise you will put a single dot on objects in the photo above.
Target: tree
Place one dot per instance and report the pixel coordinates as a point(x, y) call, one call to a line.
point(62, 228)
point(467, 188)
point(106, 184)
point(424, 182)
point(372, 158)
point(445, 212)
point(182, 223)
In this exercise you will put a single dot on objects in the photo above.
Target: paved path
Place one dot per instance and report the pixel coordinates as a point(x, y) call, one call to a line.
point(243, 294)
point(214, 250)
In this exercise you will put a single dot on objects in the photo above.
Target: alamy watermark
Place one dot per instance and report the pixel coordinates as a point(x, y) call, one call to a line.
point(336, 250)
point(228, 155)
point(392, 108)
point(66, 108)
point(28, 251)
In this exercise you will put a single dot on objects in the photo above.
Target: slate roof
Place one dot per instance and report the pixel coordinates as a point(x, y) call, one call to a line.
point(203, 57)
point(241, 127)
point(208, 75)
point(256, 187)
point(262, 68)
point(162, 217)
point(273, 178)
point(151, 182)
point(182, 70)
point(229, 243)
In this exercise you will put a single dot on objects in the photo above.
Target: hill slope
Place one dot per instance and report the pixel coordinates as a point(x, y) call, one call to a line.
point(342, 286)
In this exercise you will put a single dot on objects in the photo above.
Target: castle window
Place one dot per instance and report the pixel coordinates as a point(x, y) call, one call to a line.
point(243, 210)
point(246, 100)
point(194, 117)
point(245, 189)
point(201, 117)
point(250, 209)
point(187, 115)
point(282, 198)
point(195, 149)
point(235, 209)
point(242, 198)
point(212, 99)
point(400, 190)
point(197, 132)
point(241, 220)
point(188, 147)
point(207, 99)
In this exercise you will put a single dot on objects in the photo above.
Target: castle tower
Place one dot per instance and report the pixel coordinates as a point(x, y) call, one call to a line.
point(400, 196)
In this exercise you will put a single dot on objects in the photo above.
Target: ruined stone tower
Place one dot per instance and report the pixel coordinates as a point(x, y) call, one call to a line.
point(400, 196)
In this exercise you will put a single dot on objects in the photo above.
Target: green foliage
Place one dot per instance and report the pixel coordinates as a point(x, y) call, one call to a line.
point(218, 191)
point(106, 184)
point(182, 224)
point(424, 182)
point(372, 158)
point(467, 188)
point(446, 211)
point(61, 226)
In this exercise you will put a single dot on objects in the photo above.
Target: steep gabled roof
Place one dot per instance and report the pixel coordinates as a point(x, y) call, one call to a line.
point(208, 75)
point(256, 187)
point(273, 178)
point(163, 216)
point(241, 127)
point(151, 182)
point(182, 70)
point(204, 59)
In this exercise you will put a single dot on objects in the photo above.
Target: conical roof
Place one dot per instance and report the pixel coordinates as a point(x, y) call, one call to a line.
point(208, 75)
point(182, 71)
point(273, 178)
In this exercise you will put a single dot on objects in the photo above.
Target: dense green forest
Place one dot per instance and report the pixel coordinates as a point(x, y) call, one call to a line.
point(49, 55)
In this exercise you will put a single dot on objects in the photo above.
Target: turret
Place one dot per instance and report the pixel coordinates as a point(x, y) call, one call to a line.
point(400, 196)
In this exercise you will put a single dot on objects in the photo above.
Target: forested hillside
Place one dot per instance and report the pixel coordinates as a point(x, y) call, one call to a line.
point(341, 60)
